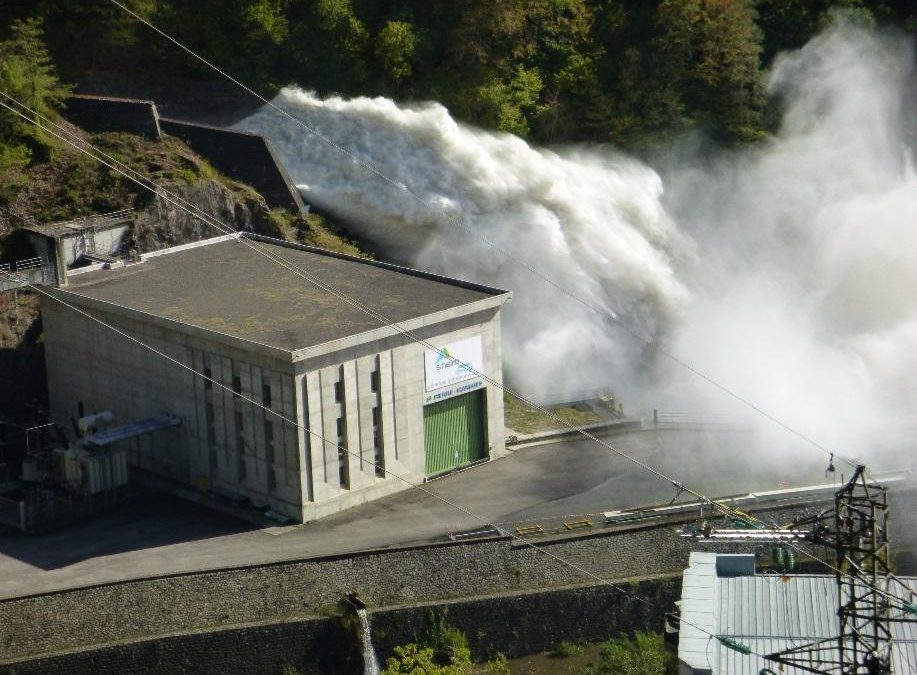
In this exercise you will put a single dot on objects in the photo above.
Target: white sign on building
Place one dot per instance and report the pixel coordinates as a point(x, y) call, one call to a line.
point(454, 362)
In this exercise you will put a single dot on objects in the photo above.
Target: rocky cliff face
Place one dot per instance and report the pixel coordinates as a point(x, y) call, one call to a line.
point(163, 222)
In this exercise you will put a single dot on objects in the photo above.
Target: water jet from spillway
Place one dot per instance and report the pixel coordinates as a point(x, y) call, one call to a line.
point(782, 271)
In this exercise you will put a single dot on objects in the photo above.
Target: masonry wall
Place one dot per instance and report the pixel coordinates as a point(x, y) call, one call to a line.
point(242, 155)
point(309, 588)
point(90, 363)
point(514, 624)
point(100, 113)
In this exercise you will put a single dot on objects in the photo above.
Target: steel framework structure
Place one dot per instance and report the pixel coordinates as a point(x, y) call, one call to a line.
point(867, 606)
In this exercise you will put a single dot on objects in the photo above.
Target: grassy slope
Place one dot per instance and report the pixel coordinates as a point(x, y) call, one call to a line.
point(526, 420)
point(72, 184)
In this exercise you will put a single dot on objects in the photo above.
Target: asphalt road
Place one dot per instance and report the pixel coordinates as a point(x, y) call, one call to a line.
point(166, 535)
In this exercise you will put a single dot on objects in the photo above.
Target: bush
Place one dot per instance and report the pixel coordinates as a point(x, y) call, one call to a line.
point(644, 654)
point(564, 650)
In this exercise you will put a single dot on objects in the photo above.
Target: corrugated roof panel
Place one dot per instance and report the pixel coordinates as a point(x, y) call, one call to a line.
point(770, 613)
point(774, 606)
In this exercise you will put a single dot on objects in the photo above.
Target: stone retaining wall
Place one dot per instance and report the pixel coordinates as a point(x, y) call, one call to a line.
point(515, 625)
point(104, 113)
point(281, 591)
point(242, 155)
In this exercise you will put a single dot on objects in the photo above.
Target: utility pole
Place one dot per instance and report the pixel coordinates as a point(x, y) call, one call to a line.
point(867, 603)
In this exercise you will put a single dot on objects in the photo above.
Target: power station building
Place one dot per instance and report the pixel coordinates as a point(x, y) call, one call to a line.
point(362, 399)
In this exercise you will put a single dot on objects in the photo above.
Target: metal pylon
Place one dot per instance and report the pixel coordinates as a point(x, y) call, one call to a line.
point(867, 606)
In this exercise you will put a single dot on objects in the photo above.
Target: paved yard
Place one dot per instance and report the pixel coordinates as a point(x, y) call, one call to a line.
point(164, 534)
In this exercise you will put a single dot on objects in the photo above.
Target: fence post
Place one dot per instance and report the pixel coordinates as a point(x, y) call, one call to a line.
point(655, 417)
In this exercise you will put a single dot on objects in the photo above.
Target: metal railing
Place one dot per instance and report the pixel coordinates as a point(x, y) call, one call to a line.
point(686, 420)
point(98, 220)
point(28, 264)
point(21, 273)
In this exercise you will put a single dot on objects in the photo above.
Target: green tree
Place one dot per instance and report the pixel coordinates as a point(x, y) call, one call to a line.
point(264, 32)
point(498, 665)
point(449, 644)
point(28, 76)
point(395, 46)
point(507, 105)
point(709, 53)
point(789, 24)
point(645, 654)
point(329, 45)
point(412, 659)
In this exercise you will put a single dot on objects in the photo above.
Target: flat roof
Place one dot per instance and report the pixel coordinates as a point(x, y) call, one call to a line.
point(66, 228)
point(222, 285)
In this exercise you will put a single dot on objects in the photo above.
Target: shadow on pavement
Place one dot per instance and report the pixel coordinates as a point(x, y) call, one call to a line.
point(151, 520)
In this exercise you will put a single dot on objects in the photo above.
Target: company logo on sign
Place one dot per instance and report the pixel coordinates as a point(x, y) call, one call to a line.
point(454, 362)
point(445, 360)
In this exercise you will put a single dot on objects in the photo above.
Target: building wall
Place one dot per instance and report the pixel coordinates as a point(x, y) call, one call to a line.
point(368, 398)
point(106, 371)
point(102, 240)
point(337, 481)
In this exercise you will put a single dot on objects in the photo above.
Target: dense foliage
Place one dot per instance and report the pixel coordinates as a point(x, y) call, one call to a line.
point(27, 76)
point(644, 654)
point(632, 72)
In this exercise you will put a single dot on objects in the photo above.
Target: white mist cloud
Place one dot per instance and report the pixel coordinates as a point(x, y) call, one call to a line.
point(786, 272)
point(807, 306)
point(590, 221)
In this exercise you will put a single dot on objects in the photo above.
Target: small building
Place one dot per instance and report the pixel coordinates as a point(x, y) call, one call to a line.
point(68, 244)
point(723, 597)
point(363, 399)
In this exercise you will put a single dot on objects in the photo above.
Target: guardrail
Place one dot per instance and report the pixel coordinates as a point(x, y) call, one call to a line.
point(97, 220)
point(809, 492)
point(21, 273)
point(28, 264)
point(686, 420)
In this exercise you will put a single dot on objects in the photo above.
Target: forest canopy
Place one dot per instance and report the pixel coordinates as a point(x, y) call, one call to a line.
point(635, 73)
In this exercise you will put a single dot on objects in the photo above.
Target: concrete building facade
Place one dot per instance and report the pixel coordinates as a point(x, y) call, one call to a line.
point(348, 399)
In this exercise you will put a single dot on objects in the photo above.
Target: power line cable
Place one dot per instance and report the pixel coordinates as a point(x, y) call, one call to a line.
point(484, 521)
point(226, 229)
point(457, 222)
point(148, 184)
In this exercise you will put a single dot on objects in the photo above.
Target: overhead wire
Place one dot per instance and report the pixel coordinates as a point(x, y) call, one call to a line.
point(294, 423)
point(194, 211)
point(267, 410)
point(458, 222)
point(369, 167)
point(264, 251)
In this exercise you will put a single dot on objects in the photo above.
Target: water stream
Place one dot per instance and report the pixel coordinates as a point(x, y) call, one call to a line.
point(370, 662)
point(783, 271)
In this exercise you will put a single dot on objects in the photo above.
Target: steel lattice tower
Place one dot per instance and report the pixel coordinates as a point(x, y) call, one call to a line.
point(866, 605)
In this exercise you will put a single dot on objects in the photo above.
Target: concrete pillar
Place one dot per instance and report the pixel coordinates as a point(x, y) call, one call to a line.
point(331, 411)
point(354, 456)
point(306, 489)
point(367, 400)
point(318, 449)
point(389, 421)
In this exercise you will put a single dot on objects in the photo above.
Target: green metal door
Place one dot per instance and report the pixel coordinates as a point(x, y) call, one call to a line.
point(454, 432)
